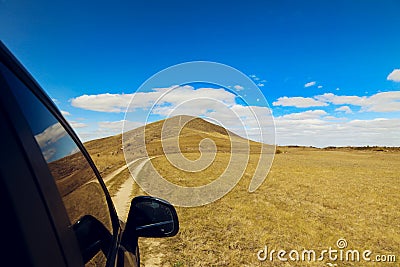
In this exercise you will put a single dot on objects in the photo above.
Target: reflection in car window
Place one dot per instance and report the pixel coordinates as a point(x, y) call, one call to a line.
point(75, 179)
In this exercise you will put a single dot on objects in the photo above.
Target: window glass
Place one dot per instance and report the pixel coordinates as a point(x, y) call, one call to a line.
point(77, 183)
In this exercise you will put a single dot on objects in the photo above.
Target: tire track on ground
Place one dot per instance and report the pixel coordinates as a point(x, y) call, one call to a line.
point(122, 198)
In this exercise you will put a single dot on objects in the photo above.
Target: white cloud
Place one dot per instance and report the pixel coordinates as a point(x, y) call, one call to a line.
point(334, 118)
point(309, 114)
point(319, 86)
point(50, 135)
point(257, 79)
point(309, 84)
point(380, 102)
point(331, 131)
point(384, 102)
point(260, 84)
point(76, 125)
point(65, 113)
point(49, 153)
point(178, 95)
point(345, 109)
point(103, 102)
point(394, 75)
point(238, 87)
point(317, 128)
point(340, 100)
point(247, 111)
point(171, 95)
point(200, 106)
point(299, 102)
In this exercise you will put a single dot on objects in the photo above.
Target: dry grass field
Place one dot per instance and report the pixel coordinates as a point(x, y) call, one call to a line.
point(310, 199)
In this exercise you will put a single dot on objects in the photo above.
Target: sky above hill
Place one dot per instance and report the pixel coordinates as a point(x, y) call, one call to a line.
point(329, 70)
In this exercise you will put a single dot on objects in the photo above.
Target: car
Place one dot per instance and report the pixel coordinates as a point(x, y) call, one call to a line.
point(56, 210)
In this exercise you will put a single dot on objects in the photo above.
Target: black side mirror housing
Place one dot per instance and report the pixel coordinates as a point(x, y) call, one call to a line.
point(150, 217)
point(92, 237)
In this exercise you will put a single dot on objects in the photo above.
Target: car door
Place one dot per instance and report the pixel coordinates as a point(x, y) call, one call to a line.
point(76, 198)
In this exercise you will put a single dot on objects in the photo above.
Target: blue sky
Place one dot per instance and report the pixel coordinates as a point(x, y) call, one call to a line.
point(328, 69)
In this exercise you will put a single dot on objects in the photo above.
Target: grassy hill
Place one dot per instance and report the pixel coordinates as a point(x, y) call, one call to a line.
point(108, 154)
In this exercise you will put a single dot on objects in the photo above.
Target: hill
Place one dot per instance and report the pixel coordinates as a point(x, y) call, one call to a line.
point(158, 138)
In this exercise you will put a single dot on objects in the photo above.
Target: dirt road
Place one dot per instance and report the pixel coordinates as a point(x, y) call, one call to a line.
point(122, 198)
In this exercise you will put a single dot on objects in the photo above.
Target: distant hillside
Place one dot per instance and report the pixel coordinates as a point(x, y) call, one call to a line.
point(161, 135)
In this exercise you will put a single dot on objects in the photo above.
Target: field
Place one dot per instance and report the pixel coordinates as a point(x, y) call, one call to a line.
point(310, 199)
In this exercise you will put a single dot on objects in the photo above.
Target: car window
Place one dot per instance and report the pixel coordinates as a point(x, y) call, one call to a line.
point(76, 181)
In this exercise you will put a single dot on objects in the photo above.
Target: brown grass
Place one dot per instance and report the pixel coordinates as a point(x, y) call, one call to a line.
point(106, 153)
point(310, 199)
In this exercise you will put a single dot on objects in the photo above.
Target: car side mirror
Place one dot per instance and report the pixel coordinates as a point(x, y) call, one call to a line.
point(151, 217)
